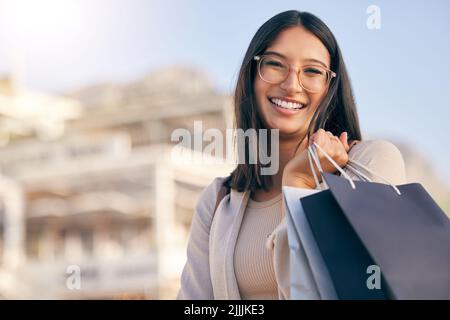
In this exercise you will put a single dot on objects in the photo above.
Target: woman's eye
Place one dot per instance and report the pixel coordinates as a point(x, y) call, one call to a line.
point(273, 63)
point(312, 71)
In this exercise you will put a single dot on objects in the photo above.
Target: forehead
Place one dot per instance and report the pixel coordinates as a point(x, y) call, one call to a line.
point(298, 44)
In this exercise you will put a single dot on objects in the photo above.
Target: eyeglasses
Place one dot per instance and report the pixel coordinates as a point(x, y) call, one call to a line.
point(273, 69)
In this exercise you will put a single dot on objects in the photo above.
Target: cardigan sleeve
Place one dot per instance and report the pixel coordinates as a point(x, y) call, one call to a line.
point(381, 157)
point(195, 278)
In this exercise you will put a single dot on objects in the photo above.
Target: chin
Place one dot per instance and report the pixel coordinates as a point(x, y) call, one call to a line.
point(290, 131)
point(286, 128)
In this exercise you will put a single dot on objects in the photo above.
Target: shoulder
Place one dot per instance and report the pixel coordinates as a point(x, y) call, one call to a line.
point(209, 193)
point(206, 202)
point(375, 149)
point(382, 157)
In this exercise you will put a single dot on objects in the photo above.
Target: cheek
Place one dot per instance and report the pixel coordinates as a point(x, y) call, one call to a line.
point(316, 99)
point(260, 88)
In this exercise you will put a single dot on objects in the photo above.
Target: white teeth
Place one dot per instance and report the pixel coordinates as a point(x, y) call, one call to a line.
point(285, 104)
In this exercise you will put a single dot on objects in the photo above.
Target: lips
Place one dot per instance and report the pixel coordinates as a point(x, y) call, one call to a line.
point(286, 103)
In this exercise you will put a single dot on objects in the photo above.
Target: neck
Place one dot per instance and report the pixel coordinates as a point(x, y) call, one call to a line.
point(287, 147)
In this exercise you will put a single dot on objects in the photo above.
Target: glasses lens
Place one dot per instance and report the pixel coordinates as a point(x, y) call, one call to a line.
point(273, 70)
point(314, 78)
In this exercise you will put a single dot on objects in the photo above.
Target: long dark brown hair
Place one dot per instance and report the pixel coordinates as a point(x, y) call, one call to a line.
point(336, 112)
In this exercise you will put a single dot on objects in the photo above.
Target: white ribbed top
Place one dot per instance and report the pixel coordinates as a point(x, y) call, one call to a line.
point(253, 264)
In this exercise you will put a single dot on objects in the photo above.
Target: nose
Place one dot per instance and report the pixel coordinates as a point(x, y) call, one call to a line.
point(291, 84)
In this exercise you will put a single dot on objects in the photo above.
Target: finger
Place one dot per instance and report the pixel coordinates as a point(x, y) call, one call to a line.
point(315, 136)
point(321, 138)
point(344, 139)
point(319, 133)
point(331, 136)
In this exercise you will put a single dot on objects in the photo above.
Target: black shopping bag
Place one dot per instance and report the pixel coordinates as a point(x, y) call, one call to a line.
point(361, 224)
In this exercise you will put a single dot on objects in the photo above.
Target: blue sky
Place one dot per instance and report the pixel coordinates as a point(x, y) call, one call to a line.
point(400, 73)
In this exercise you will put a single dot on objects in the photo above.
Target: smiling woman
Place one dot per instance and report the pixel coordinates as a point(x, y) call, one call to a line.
point(293, 79)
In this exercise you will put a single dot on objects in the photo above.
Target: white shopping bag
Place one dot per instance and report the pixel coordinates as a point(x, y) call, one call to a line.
point(309, 275)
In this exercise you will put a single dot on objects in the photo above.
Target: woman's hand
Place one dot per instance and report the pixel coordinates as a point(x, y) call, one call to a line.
point(297, 171)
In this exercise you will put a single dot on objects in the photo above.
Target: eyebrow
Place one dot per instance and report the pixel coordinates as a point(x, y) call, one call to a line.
point(283, 56)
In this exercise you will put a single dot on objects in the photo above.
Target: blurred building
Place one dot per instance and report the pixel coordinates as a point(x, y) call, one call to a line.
point(90, 183)
point(91, 190)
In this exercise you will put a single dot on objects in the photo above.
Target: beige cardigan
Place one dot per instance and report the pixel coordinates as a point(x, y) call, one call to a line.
point(209, 270)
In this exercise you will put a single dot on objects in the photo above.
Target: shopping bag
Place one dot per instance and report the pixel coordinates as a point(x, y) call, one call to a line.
point(309, 277)
point(362, 227)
